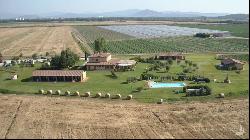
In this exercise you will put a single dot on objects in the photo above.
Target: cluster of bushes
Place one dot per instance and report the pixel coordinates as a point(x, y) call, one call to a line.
point(199, 90)
point(202, 79)
point(65, 60)
point(202, 35)
point(177, 77)
point(113, 74)
point(138, 59)
point(195, 78)
point(189, 66)
point(151, 60)
point(167, 77)
point(131, 79)
point(147, 76)
point(229, 68)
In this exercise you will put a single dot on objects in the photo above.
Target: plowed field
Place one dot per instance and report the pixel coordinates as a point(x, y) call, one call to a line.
point(25, 116)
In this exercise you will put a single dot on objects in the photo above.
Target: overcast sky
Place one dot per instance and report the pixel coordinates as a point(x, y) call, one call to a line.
point(82, 6)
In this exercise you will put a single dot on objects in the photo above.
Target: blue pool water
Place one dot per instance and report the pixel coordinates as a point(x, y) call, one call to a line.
point(166, 85)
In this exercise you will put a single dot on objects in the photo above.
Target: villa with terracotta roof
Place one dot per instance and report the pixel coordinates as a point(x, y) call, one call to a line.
point(231, 64)
point(104, 61)
point(171, 55)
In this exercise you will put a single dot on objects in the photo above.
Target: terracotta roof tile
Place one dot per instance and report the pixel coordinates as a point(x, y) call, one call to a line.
point(57, 73)
point(230, 61)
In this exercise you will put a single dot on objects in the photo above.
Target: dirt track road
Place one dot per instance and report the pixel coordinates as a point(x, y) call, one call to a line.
point(25, 116)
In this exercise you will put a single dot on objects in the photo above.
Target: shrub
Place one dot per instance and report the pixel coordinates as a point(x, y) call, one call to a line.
point(187, 70)
point(147, 76)
point(34, 56)
point(202, 90)
point(190, 63)
point(198, 79)
point(67, 59)
point(238, 71)
point(178, 62)
point(139, 89)
point(170, 61)
point(113, 74)
point(184, 89)
point(207, 80)
point(15, 58)
point(202, 35)
point(167, 68)
point(138, 59)
point(131, 79)
point(181, 77)
point(183, 66)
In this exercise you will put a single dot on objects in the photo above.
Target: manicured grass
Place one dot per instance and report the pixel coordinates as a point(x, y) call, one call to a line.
point(239, 30)
point(178, 44)
point(101, 81)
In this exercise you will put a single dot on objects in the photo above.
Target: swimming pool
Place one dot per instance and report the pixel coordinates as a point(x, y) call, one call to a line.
point(166, 85)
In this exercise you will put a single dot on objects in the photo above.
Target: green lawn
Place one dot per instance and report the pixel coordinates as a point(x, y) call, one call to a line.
point(100, 81)
point(239, 30)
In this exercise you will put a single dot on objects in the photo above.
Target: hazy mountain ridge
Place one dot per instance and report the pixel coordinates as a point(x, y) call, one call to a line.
point(126, 13)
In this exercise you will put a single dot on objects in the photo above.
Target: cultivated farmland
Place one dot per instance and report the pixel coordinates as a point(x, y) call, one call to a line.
point(159, 38)
point(178, 44)
point(91, 33)
point(239, 30)
point(30, 40)
point(59, 117)
point(155, 31)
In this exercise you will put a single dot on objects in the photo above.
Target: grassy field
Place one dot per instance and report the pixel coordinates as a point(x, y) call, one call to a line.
point(239, 30)
point(179, 44)
point(101, 81)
